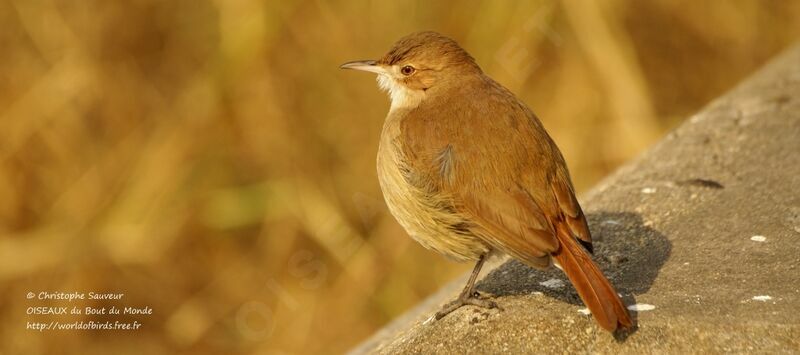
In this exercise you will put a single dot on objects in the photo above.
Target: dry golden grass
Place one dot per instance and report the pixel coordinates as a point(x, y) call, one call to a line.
point(209, 160)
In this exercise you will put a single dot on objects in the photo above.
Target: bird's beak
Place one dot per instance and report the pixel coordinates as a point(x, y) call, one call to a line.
point(364, 65)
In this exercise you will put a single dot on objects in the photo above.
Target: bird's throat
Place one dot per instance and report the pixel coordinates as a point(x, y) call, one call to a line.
point(401, 96)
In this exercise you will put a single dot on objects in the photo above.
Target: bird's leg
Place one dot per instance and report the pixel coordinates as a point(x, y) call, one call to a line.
point(468, 296)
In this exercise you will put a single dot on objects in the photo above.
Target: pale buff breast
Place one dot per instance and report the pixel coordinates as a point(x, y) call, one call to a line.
point(416, 210)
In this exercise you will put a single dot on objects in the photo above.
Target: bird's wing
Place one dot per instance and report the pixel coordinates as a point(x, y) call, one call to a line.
point(493, 160)
point(570, 209)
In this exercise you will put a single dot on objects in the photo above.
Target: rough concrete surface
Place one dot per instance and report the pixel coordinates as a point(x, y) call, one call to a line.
point(705, 227)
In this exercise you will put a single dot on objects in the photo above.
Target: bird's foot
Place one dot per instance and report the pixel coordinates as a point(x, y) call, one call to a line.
point(474, 299)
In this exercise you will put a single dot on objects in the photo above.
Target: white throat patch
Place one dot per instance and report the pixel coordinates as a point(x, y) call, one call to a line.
point(401, 96)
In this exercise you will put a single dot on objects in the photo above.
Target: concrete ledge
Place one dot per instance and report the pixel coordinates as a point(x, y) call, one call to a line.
point(704, 227)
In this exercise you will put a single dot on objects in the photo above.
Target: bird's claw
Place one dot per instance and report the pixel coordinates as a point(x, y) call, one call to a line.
point(475, 299)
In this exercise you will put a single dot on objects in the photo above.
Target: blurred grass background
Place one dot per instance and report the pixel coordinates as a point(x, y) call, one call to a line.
point(209, 160)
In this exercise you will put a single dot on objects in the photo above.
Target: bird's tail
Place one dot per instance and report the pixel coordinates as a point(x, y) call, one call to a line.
point(592, 286)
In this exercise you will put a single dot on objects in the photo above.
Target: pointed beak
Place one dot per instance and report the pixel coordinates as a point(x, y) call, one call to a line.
point(364, 65)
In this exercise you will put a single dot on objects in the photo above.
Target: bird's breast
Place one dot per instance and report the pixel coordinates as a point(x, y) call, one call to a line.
point(427, 216)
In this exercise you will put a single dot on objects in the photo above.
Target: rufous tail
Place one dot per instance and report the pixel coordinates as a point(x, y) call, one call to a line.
point(592, 286)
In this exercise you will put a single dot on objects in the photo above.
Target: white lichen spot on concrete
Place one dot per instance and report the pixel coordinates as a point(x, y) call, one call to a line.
point(763, 298)
point(641, 307)
point(758, 238)
point(649, 190)
point(552, 283)
point(585, 311)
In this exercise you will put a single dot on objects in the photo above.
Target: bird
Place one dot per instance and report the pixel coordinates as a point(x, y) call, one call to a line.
point(468, 170)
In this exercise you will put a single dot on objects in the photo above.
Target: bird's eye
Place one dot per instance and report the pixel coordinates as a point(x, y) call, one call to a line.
point(407, 70)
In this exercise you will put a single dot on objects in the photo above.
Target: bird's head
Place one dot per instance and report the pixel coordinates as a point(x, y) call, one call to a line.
point(417, 65)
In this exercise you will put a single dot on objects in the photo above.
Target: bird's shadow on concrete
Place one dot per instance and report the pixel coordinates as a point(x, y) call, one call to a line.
point(629, 253)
